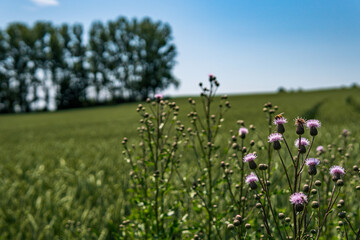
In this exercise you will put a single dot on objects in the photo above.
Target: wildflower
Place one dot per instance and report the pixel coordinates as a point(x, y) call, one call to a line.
point(212, 77)
point(298, 199)
point(279, 121)
point(301, 144)
point(345, 133)
point(336, 172)
point(243, 131)
point(312, 163)
point(313, 125)
point(275, 139)
point(158, 97)
point(251, 180)
point(249, 158)
point(320, 149)
point(299, 122)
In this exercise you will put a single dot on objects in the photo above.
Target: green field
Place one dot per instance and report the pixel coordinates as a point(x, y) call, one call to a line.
point(62, 174)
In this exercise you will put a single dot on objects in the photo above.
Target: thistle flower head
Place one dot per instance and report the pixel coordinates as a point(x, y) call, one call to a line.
point(298, 198)
point(279, 120)
point(320, 149)
point(303, 142)
point(275, 137)
point(337, 171)
point(313, 123)
point(159, 96)
point(299, 121)
point(249, 157)
point(312, 162)
point(345, 133)
point(251, 178)
point(243, 131)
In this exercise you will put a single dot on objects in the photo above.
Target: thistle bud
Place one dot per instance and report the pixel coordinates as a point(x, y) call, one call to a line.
point(263, 166)
point(306, 188)
point(315, 204)
point(339, 183)
point(239, 218)
point(342, 214)
point(230, 226)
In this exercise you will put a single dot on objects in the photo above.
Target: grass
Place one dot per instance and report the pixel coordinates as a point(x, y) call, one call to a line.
point(62, 175)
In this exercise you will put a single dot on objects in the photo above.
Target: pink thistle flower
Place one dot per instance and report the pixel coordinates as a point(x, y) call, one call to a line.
point(281, 120)
point(312, 162)
point(313, 123)
point(159, 96)
point(251, 178)
point(243, 131)
point(249, 157)
point(345, 133)
point(298, 198)
point(337, 172)
point(275, 137)
point(320, 149)
point(303, 142)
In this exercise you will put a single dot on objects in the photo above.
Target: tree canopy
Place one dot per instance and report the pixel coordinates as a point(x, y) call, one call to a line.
point(45, 66)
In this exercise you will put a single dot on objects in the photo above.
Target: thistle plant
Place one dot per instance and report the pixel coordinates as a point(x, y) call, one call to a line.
point(285, 187)
point(154, 209)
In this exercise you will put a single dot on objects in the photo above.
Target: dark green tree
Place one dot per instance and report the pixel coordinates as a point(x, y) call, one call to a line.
point(98, 58)
point(156, 53)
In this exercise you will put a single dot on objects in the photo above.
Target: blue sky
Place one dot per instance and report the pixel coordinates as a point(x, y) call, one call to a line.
point(250, 45)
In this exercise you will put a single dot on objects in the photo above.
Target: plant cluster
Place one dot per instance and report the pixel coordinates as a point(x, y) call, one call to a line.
point(193, 183)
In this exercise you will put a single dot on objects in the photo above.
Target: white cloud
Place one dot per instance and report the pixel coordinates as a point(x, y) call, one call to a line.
point(45, 3)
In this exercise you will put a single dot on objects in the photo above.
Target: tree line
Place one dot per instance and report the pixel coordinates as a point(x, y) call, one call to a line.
point(45, 67)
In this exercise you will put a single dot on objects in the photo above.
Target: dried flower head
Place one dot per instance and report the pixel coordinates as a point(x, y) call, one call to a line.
point(303, 142)
point(251, 178)
point(249, 157)
point(313, 123)
point(298, 198)
point(274, 137)
point(312, 162)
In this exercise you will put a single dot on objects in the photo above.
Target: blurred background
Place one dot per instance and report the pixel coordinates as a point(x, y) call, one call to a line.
point(59, 54)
